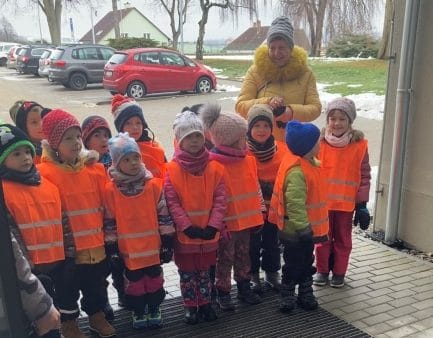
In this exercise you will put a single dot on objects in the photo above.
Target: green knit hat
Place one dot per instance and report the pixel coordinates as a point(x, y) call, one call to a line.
point(11, 138)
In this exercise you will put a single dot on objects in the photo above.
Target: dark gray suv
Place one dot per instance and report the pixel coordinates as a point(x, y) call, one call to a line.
point(74, 66)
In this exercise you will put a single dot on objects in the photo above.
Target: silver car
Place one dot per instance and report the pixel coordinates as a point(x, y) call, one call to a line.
point(44, 63)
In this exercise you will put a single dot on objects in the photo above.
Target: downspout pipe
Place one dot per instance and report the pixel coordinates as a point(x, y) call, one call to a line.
point(403, 96)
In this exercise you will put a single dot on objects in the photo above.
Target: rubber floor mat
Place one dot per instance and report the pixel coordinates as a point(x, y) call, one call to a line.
point(263, 320)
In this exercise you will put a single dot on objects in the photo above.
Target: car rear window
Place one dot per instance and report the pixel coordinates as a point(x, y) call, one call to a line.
point(57, 54)
point(118, 58)
point(37, 51)
point(23, 51)
point(45, 54)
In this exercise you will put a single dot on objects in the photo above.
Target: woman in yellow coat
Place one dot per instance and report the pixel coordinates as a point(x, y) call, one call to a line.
point(281, 78)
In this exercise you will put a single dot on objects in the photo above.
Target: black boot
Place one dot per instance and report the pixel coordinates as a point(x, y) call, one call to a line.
point(247, 295)
point(306, 299)
point(207, 312)
point(288, 298)
point(190, 315)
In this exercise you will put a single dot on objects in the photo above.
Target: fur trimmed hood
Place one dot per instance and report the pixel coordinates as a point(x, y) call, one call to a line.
point(266, 68)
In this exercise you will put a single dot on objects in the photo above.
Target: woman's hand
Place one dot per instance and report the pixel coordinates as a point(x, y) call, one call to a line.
point(276, 101)
point(286, 116)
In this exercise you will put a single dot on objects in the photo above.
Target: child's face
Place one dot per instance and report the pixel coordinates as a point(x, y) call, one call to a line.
point(70, 146)
point(20, 159)
point(338, 122)
point(130, 164)
point(34, 125)
point(193, 143)
point(99, 141)
point(261, 131)
point(134, 127)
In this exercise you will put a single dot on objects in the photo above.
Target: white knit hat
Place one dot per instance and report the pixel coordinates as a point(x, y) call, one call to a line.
point(185, 124)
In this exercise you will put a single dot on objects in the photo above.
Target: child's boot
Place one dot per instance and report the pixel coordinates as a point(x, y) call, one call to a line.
point(224, 301)
point(70, 329)
point(108, 311)
point(139, 321)
point(207, 312)
point(190, 315)
point(154, 319)
point(306, 299)
point(100, 325)
point(246, 295)
point(273, 279)
point(256, 283)
point(288, 298)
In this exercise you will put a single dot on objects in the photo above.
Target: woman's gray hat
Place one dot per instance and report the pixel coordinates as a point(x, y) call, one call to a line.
point(281, 28)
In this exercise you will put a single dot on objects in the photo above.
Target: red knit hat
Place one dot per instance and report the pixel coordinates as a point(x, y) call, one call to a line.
point(55, 124)
point(123, 108)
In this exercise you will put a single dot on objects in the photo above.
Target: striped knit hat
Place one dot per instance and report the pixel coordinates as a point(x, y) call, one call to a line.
point(123, 108)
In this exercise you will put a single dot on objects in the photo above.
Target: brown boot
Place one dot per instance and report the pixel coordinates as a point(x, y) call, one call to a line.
point(70, 329)
point(99, 325)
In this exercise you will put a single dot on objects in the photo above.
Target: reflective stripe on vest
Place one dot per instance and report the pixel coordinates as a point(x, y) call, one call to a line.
point(153, 157)
point(80, 192)
point(243, 208)
point(37, 212)
point(196, 202)
point(342, 167)
point(138, 232)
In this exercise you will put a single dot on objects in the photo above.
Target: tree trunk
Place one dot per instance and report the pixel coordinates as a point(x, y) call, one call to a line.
point(53, 11)
point(310, 18)
point(320, 17)
point(385, 42)
point(202, 25)
point(116, 19)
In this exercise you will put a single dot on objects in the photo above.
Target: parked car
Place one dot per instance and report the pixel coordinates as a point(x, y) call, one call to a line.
point(11, 63)
point(4, 50)
point(28, 58)
point(75, 66)
point(141, 71)
point(44, 63)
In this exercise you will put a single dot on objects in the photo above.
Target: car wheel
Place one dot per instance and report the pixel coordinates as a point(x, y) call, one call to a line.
point(78, 81)
point(204, 85)
point(136, 90)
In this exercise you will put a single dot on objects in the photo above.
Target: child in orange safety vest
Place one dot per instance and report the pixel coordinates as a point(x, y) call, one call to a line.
point(135, 203)
point(80, 182)
point(268, 153)
point(35, 222)
point(298, 207)
point(128, 117)
point(196, 198)
point(245, 205)
point(344, 157)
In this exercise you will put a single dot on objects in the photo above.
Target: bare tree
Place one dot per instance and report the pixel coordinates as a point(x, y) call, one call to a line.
point(7, 31)
point(385, 42)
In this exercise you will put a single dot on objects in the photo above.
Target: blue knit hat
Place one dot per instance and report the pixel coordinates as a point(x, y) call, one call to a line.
point(301, 137)
point(120, 146)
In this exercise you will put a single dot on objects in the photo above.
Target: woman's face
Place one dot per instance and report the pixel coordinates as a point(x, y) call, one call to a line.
point(279, 52)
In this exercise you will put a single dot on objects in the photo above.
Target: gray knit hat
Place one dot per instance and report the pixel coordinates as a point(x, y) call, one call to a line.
point(344, 104)
point(257, 112)
point(281, 28)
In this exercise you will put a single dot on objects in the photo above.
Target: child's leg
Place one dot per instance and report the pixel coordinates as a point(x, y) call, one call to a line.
point(255, 248)
point(324, 251)
point(226, 252)
point(306, 297)
point(342, 242)
point(155, 294)
point(271, 259)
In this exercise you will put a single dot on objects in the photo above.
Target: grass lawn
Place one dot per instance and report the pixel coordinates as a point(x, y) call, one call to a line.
point(348, 76)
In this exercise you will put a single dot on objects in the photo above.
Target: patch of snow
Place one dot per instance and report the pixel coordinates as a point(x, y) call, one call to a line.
point(354, 85)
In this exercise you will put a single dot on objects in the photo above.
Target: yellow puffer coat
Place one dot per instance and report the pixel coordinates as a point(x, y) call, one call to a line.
point(295, 83)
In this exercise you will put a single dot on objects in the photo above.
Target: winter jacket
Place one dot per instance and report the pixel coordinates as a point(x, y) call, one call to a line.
point(295, 83)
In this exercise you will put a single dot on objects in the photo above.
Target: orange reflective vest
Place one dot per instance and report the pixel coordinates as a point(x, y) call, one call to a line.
point(316, 205)
point(36, 211)
point(196, 196)
point(243, 202)
point(137, 223)
point(153, 158)
point(342, 168)
point(81, 196)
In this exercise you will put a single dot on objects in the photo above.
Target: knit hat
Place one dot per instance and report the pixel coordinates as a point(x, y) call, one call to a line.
point(55, 124)
point(90, 124)
point(225, 128)
point(45, 111)
point(19, 111)
point(123, 108)
point(11, 138)
point(344, 104)
point(259, 112)
point(281, 28)
point(301, 137)
point(120, 146)
point(185, 124)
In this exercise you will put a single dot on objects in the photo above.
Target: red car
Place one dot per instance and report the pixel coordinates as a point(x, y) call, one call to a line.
point(140, 71)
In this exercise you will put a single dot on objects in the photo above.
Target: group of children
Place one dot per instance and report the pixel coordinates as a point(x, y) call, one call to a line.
point(230, 195)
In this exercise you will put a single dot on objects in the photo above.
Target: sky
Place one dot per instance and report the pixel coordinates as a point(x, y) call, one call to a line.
point(26, 22)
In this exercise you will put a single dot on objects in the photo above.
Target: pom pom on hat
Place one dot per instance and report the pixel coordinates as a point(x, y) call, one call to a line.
point(225, 128)
point(301, 137)
point(55, 124)
point(123, 108)
point(11, 138)
point(186, 123)
point(120, 146)
point(281, 28)
point(90, 124)
point(344, 104)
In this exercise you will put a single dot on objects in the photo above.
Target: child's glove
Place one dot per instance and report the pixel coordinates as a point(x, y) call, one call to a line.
point(193, 232)
point(305, 235)
point(362, 216)
point(208, 233)
point(166, 252)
